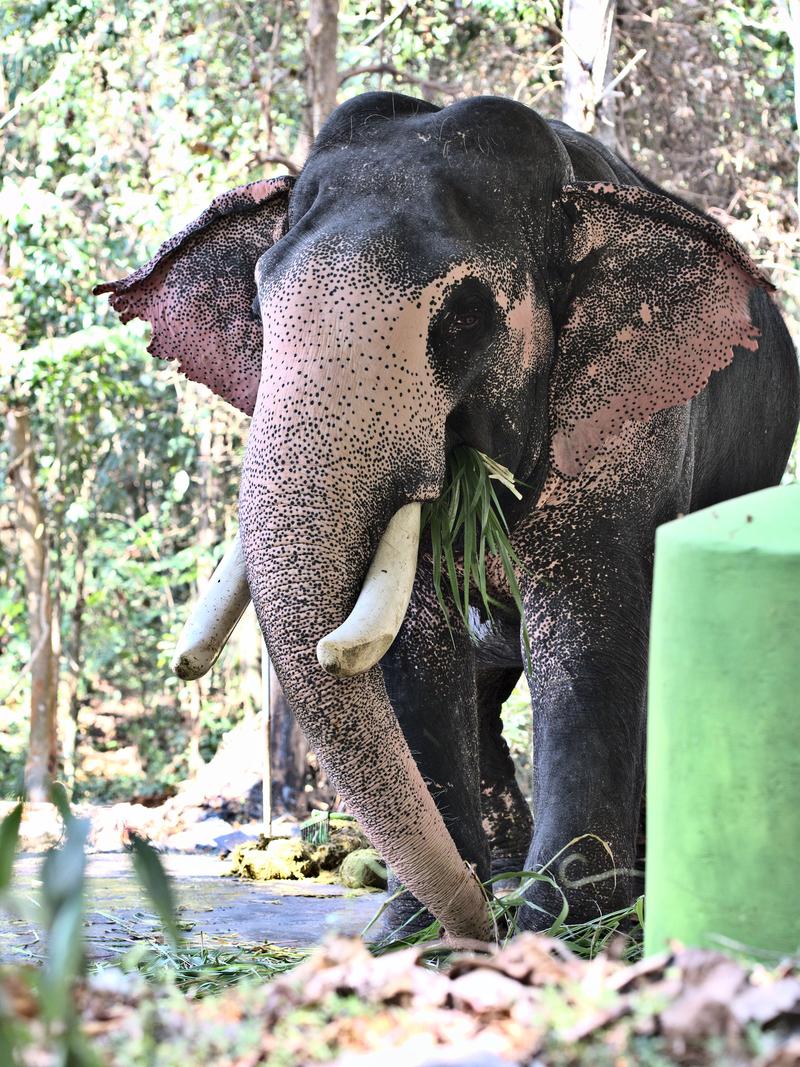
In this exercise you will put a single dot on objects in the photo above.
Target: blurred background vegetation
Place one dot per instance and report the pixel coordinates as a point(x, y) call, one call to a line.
point(119, 122)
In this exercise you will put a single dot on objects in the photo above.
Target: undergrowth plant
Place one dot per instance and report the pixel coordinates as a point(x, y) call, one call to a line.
point(60, 911)
point(467, 520)
point(197, 970)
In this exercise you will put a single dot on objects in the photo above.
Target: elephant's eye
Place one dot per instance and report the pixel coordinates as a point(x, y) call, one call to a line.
point(466, 320)
point(465, 324)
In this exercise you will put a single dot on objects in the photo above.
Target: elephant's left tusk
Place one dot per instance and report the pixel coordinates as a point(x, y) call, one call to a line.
point(214, 617)
point(372, 625)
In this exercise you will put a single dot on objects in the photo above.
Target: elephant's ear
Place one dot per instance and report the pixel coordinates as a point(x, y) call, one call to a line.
point(659, 298)
point(198, 290)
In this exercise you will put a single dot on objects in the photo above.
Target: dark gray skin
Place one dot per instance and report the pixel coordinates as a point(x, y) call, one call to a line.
point(443, 277)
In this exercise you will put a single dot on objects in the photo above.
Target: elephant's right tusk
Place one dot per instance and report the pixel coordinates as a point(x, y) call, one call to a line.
point(214, 617)
point(372, 625)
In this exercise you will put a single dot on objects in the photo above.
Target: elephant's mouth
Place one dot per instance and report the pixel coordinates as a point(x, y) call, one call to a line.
point(352, 648)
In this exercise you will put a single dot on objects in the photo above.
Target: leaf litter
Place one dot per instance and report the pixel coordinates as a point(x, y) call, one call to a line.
point(530, 1002)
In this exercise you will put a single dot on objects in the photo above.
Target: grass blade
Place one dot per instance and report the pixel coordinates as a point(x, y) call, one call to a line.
point(466, 523)
point(9, 836)
point(60, 800)
point(156, 883)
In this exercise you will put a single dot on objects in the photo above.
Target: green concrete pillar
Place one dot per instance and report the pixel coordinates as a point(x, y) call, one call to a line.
point(723, 762)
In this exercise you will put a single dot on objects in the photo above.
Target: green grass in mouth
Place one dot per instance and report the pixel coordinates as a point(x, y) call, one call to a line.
point(469, 514)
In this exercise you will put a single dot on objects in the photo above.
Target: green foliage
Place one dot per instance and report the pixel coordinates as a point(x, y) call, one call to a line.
point(202, 971)
point(9, 835)
point(60, 910)
point(517, 719)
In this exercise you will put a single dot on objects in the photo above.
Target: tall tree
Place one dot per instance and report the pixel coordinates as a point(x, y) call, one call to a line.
point(589, 46)
point(41, 765)
point(790, 14)
point(321, 54)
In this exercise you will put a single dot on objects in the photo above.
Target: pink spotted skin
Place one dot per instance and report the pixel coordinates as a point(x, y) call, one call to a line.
point(650, 355)
point(475, 275)
point(195, 289)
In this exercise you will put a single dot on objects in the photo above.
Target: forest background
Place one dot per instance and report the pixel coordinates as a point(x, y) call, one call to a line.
point(118, 478)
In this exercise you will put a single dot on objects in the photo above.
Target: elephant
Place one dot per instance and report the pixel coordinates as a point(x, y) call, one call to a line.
point(473, 275)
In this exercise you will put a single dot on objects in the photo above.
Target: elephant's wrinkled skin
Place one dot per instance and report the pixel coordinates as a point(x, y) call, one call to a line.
point(475, 275)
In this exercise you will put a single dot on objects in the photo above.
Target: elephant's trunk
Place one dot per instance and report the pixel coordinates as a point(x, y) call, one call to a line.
point(312, 507)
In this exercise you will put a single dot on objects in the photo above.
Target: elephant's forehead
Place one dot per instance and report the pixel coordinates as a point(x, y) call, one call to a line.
point(353, 299)
point(345, 359)
point(477, 144)
point(384, 263)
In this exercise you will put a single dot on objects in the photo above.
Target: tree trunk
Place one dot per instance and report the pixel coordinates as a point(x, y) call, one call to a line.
point(74, 657)
point(790, 13)
point(42, 761)
point(322, 71)
point(589, 45)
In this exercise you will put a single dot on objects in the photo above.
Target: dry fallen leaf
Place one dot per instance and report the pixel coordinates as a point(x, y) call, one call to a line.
point(765, 1003)
point(532, 959)
point(484, 990)
point(702, 1009)
point(593, 1022)
point(628, 976)
point(787, 1055)
point(17, 995)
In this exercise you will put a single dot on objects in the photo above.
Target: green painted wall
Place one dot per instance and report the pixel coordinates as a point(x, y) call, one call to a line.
point(723, 767)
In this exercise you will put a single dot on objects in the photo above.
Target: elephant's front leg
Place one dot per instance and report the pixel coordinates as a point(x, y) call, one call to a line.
point(587, 614)
point(430, 678)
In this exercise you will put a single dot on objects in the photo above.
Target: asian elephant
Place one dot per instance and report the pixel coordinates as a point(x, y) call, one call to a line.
point(474, 275)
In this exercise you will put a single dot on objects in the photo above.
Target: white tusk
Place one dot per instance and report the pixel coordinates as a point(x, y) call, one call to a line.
point(214, 617)
point(372, 625)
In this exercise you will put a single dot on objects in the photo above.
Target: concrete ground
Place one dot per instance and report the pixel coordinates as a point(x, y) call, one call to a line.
point(220, 911)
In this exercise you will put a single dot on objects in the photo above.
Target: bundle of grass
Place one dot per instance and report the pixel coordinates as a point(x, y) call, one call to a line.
point(296, 857)
point(468, 520)
point(363, 869)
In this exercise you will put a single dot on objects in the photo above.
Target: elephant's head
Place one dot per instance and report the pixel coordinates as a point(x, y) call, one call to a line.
point(431, 278)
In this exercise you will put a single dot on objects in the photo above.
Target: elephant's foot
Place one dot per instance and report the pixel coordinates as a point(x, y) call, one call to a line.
point(506, 871)
point(405, 918)
point(586, 879)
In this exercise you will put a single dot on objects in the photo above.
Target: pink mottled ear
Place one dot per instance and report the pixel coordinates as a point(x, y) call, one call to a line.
point(198, 290)
point(659, 298)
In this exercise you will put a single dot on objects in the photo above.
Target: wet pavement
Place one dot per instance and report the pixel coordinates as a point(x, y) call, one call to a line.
point(217, 911)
